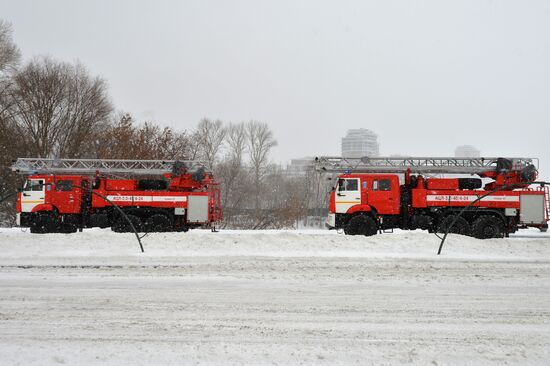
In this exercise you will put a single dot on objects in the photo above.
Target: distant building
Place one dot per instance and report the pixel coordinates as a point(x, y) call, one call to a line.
point(299, 167)
point(360, 142)
point(467, 151)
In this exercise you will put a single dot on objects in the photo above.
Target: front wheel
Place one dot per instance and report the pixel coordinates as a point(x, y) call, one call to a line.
point(361, 225)
point(43, 223)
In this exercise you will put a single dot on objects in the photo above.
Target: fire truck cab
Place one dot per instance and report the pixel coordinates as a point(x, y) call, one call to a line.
point(375, 195)
point(51, 200)
point(362, 192)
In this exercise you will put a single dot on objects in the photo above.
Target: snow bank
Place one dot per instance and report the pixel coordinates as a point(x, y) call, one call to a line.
point(98, 246)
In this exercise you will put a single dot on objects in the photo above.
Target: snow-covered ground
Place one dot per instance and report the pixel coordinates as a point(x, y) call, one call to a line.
point(273, 297)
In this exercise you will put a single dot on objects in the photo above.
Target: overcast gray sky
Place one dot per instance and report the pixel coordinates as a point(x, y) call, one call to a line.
point(425, 75)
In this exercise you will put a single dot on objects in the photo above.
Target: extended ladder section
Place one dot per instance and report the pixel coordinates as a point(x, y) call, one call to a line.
point(418, 165)
point(105, 166)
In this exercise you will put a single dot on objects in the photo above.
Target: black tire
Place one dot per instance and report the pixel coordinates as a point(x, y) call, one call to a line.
point(99, 220)
point(361, 225)
point(461, 226)
point(69, 225)
point(44, 223)
point(157, 223)
point(68, 228)
point(487, 227)
point(121, 225)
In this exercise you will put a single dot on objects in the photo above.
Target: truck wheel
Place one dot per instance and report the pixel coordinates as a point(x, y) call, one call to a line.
point(361, 225)
point(99, 220)
point(487, 227)
point(68, 228)
point(157, 223)
point(460, 227)
point(121, 225)
point(43, 223)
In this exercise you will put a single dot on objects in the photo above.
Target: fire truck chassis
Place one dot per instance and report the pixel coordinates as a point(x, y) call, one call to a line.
point(379, 194)
point(155, 196)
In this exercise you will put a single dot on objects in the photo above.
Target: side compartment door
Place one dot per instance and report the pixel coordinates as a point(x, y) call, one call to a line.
point(197, 209)
point(347, 194)
point(34, 194)
point(532, 209)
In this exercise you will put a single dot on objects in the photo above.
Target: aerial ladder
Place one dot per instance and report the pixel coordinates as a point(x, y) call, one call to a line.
point(104, 166)
point(422, 165)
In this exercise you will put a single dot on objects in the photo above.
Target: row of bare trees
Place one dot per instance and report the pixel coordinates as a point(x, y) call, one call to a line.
point(256, 194)
point(50, 108)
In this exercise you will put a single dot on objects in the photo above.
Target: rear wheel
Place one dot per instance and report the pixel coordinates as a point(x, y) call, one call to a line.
point(361, 225)
point(487, 227)
point(460, 226)
point(122, 225)
point(68, 228)
point(69, 225)
point(157, 223)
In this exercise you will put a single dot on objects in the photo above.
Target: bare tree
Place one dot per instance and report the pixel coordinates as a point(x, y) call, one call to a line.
point(122, 138)
point(171, 145)
point(209, 136)
point(9, 52)
point(115, 139)
point(9, 60)
point(260, 142)
point(10, 142)
point(56, 106)
point(236, 143)
point(230, 170)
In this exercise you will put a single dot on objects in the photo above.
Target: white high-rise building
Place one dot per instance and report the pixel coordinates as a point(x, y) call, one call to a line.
point(467, 151)
point(360, 142)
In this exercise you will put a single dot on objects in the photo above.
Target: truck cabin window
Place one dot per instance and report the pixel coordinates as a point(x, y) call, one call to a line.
point(64, 185)
point(381, 185)
point(348, 185)
point(34, 185)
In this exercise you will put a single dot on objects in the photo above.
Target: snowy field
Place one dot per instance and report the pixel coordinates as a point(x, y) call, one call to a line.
point(273, 297)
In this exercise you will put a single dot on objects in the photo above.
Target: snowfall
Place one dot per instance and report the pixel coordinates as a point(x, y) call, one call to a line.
point(273, 298)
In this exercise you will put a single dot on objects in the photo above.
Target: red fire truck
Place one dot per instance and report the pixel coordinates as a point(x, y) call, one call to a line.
point(376, 194)
point(64, 195)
